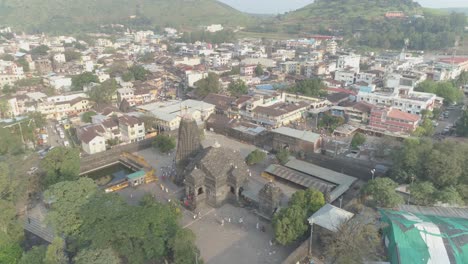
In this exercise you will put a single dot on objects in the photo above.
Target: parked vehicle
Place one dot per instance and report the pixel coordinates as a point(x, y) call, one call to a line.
point(66, 143)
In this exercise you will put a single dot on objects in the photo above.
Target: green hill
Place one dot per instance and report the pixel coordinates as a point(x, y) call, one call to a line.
point(75, 15)
point(455, 9)
point(335, 13)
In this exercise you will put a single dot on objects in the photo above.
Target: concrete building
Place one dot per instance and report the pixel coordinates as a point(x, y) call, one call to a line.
point(412, 102)
point(393, 120)
point(348, 61)
point(131, 128)
point(168, 114)
point(297, 141)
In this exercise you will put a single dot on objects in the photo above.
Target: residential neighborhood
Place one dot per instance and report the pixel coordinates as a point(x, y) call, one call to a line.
point(175, 144)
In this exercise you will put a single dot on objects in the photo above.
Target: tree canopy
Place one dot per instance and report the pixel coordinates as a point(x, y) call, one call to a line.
point(383, 192)
point(446, 90)
point(164, 143)
point(462, 124)
point(309, 87)
point(237, 88)
point(207, 85)
point(291, 222)
point(358, 140)
point(79, 81)
point(356, 241)
point(442, 165)
point(104, 92)
point(255, 157)
point(283, 156)
point(61, 164)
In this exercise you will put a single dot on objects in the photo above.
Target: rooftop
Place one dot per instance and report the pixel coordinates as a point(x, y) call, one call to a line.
point(136, 175)
point(298, 134)
point(330, 217)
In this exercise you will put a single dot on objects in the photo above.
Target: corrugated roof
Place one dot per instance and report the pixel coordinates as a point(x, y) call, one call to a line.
point(330, 217)
point(299, 134)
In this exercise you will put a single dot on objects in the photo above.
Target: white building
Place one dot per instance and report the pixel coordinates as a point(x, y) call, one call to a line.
point(131, 128)
point(412, 102)
point(214, 28)
point(347, 76)
point(93, 143)
point(59, 58)
point(348, 61)
point(60, 83)
point(194, 76)
point(168, 114)
point(127, 94)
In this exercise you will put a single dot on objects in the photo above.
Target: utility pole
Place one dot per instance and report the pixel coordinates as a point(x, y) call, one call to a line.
point(409, 191)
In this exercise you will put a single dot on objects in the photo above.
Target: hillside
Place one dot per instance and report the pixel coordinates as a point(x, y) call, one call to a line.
point(335, 13)
point(455, 9)
point(75, 15)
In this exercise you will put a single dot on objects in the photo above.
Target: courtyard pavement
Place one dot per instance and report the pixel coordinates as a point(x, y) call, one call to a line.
point(221, 236)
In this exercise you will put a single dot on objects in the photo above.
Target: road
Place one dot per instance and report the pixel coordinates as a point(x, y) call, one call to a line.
point(452, 118)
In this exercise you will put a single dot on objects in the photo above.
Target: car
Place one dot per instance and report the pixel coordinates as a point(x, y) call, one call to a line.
point(66, 143)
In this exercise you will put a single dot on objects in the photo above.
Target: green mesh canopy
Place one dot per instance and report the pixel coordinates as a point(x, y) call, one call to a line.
point(416, 238)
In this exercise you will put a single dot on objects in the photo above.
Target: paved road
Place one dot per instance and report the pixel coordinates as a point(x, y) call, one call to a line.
point(452, 118)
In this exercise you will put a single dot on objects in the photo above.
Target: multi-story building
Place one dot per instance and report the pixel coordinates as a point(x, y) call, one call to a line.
point(331, 47)
point(348, 61)
point(393, 120)
point(346, 76)
point(247, 70)
point(131, 128)
point(127, 94)
point(290, 67)
point(412, 102)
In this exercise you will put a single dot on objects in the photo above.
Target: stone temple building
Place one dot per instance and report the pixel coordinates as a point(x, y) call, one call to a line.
point(269, 199)
point(188, 145)
point(215, 176)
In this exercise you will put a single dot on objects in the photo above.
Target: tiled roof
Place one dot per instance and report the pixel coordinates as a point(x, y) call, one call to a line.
point(397, 114)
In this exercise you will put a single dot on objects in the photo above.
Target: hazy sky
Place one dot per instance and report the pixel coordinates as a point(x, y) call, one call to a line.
point(281, 6)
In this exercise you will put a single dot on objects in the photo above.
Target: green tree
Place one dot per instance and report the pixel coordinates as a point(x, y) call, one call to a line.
point(10, 227)
point(358, 140)
point(383, 192)
point(442, 169)
point(447, 90)
point(423, 193)
point(104, 92)
point(41, 50)
point(10, 253)
point(35, 255)
point(255, 157)
point(309, 87)
point(86, 117)
point(291, 222)
point(55, 253)
point(462, 79)
point(71, 55)
point(139, 234)
point(210, 84)
point(61, 164)
point(97, 256)
point(462, 124)
point(23, 63)
point(450, 195)
point(184, 248)
point(164, 143)
point(10, 143)
point(330, 122)
point(259, 70)
point(79, 81)
point(356, 241)
point(283, 156)
point(425, 129)
point(139, 73)
point(67, 198)
point(237, 88)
